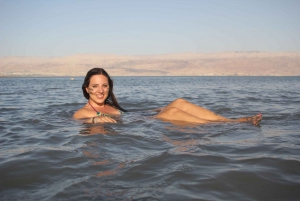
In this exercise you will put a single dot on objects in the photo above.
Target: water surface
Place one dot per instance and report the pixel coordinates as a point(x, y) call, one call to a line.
point(46, 155)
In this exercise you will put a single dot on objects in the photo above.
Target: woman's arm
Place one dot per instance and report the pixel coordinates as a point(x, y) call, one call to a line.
point(85, 115)
point(100, 119)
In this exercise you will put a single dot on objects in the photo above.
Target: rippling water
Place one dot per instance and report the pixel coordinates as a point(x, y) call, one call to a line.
point(46, 155)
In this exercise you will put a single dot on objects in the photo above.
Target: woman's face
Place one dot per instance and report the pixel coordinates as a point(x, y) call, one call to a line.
point(98, 89)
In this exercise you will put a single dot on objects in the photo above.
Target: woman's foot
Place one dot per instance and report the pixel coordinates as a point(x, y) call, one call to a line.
point(255, 119)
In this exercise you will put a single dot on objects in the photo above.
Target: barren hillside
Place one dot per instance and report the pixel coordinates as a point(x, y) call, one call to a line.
point(186, 64)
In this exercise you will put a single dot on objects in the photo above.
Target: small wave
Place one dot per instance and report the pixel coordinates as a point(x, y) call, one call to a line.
point(8, 109)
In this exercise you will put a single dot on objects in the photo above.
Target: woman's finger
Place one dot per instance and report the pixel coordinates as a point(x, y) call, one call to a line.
point(104, 119)
point(111, 120)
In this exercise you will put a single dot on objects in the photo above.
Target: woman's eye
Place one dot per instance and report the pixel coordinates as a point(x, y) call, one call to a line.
point(105, 86)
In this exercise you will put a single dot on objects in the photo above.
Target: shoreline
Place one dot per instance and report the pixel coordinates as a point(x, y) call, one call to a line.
point(82, 76)
point(185, 64)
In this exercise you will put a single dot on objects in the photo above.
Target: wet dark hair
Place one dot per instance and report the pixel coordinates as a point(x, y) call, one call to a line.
point(111, 99)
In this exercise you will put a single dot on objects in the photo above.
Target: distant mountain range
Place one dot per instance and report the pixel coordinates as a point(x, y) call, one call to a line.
point(185, 64)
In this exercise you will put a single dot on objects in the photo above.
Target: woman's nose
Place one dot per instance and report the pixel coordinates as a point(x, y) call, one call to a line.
point(100, 89)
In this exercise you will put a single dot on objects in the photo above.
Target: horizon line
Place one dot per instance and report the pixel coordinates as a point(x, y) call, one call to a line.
point(133, 55)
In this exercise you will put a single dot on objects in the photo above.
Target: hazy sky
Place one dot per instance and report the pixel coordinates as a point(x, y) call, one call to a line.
point(137, 27)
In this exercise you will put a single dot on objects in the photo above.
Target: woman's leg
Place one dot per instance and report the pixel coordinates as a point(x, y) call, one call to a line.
point(195, 110)
point(182, 110)
point(175, 114)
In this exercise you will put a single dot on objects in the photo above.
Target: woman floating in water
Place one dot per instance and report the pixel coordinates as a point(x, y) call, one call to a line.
point(102, 105)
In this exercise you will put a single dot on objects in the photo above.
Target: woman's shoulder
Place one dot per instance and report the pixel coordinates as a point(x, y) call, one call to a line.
point(113, 109)
point(81, 113)
point(85, 112)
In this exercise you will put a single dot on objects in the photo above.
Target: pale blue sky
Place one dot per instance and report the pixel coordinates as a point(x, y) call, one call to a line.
point(136, 27)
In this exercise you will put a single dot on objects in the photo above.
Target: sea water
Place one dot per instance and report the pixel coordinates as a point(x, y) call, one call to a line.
point(47, 155)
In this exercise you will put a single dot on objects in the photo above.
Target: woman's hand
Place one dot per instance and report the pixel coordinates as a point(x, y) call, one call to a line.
point(101, 119)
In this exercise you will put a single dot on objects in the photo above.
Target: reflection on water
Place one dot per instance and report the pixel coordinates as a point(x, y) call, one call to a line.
point(93, 129)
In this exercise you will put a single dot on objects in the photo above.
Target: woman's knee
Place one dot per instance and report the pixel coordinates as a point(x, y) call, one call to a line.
point(168, 112)
point(179, 101)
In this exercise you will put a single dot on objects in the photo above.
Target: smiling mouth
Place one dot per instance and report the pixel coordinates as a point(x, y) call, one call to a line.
point(100, 96)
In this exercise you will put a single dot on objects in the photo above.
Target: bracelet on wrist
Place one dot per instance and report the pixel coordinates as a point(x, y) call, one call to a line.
point(93, 120)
